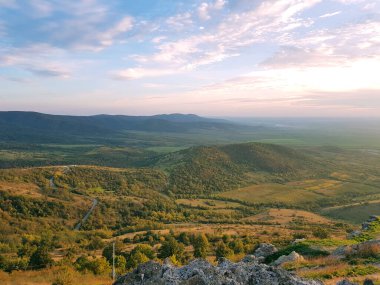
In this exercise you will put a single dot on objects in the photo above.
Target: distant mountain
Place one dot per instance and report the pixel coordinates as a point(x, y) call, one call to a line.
point(38, 127)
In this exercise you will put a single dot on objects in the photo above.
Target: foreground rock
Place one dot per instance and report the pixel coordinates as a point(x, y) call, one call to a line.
point(264, 250)
point(292, 257)
point(201, 272)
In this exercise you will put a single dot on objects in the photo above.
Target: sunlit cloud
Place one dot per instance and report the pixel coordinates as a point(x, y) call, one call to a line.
point(234, 57)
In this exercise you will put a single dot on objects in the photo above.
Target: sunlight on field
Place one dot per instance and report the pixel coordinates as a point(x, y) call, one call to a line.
point(298, 192)
point(48, 276)
point(286, 216)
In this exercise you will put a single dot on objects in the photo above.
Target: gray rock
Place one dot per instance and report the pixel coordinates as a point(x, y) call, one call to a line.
point(292, 257)
point(249, 258)
point(264, 250)
point(346, 282)
point(367, 224)
point(201, 272)
point(354, 234)
point(341, 251)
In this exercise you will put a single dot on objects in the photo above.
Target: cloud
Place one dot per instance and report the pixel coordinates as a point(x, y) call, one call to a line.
point(263, 23)
point(124, 25)
point(327, 15)
point(138, 73)
point(42, 8)
point(205, 8)
point(180, 21)
point(40, 59)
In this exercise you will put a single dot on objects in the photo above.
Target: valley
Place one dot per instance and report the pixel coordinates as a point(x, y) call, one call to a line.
point(144, 197)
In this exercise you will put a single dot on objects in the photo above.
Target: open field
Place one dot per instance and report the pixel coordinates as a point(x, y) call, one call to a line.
point(353, 213)
point(208, 203)
point(288, 216)
point(298, 192)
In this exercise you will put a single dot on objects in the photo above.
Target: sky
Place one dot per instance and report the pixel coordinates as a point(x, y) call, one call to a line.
point(274, 58)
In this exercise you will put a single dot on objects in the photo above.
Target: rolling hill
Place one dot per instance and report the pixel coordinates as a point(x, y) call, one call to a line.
point(32, 127)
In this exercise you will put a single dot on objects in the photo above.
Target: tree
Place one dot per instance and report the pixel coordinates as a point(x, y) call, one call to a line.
point(201, 246)
point(95, 243)
point(222, 250)
point(237, 246)
point(120, 264)
point(107, 251)
point(135, 259)
point(40, 258)
point(171, 247)
point(146, 250)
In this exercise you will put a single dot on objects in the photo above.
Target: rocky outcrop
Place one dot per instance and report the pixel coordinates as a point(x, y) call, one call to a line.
point(346, 282)
point(292, 257)
point(367, 224)
point(264, 250)
point(346, 250)
point(365, 227)
point(201, 272)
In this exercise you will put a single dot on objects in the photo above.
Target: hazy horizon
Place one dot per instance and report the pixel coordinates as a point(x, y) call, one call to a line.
point(288, 58)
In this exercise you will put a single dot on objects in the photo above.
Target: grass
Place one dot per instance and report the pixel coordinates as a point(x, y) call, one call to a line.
point(286, 216)
point(296, 193)
point(208, 203)
point(48, 276)
point(355, 213)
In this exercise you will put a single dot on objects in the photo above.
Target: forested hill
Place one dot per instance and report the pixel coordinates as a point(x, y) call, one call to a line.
point(210, 169)
point(38, 127)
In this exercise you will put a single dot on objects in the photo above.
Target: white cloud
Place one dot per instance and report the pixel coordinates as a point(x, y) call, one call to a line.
point(138, 73)
point(205, 9)
point(124, 25)
point(268, 21)
point(180, 21)
point(157, 40)
point(40, 59)
point(327, 15)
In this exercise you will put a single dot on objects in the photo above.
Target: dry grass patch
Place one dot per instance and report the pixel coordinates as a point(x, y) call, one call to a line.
point(48, 276)
point(286, 216)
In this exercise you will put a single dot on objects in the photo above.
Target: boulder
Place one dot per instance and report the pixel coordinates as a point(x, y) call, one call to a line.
point(201, 272)
point(264, 250)
point(292, 257)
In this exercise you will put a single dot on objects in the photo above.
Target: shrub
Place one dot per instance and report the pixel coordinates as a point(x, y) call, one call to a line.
point(321, 233)
point(222, 250)
point(40, 258)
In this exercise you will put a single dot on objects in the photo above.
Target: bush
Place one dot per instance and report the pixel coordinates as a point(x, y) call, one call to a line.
point(321, 233)
point(40, 258)
point(171, 247)
point(201, 246)
point(222, 250)
point(97, 266)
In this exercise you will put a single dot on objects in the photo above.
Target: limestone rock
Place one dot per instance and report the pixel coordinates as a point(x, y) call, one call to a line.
point(292, 257)
point(264, 250)
point(201, 272)
point(346, 282)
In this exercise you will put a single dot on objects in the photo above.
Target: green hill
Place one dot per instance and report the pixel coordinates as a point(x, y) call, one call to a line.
point(206, 170)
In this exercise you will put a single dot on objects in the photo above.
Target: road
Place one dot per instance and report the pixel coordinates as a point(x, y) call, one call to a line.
point(89, 212)
point(84, 219)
